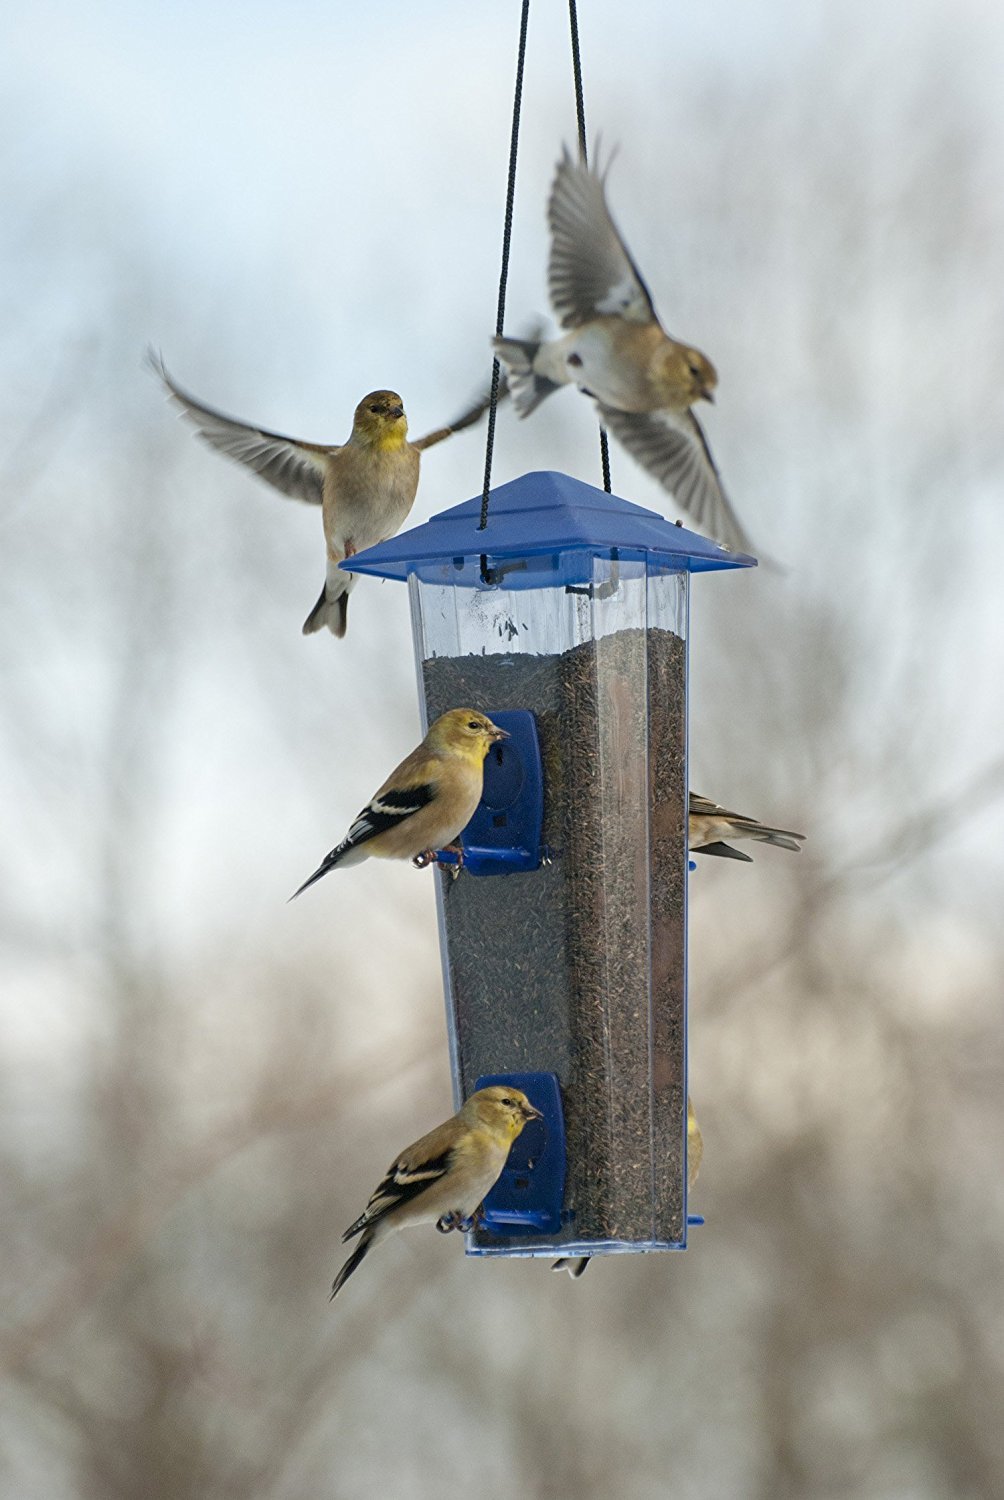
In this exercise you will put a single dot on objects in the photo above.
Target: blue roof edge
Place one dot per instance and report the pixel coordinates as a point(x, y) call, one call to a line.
point(544, 512)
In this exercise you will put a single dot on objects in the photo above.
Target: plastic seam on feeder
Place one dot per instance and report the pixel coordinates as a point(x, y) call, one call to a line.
point(528, 1196)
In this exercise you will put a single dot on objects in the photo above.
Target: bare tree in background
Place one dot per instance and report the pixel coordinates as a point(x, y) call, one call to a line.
point(218, 1094)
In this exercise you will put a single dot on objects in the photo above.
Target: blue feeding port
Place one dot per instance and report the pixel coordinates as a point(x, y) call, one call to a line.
point(528, 1196)
point(504, 835)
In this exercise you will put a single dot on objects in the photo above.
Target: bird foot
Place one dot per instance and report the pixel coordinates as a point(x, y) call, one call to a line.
point(454, 1220)
point(451, 868)
point(434, 857)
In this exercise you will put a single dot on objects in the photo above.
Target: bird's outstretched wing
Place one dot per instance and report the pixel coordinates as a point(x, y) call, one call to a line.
point(294, 468)
point(590, 272)
point(672, 447)
point(467, 418)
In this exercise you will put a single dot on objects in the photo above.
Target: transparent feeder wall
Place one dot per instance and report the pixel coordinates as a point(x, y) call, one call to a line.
point(578, 968)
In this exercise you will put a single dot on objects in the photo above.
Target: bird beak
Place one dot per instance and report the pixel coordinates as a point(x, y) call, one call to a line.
point(531, 1113)
point(396, 411)
point(499, 734)
point(708, 394)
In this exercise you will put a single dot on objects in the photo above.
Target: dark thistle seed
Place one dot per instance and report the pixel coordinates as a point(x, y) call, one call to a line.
point(551, 971)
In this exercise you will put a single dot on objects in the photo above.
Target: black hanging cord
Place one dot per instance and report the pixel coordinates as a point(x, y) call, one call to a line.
point(580, 108)
point(580, 116)
point(504, 276)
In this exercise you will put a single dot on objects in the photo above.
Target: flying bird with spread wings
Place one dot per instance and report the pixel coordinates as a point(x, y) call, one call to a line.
point(644, 382)
point(365, 486)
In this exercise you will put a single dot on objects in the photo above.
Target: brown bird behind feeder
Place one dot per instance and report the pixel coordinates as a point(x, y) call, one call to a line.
point(710, 825)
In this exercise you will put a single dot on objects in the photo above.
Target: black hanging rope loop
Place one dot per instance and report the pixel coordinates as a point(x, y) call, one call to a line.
point(580, 119)
point(504, 275)
point(580, 116)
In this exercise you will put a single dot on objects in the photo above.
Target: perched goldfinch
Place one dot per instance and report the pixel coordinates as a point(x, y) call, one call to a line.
point(427, 802)
point(365, 487)
point(709, 825)
point(576, 1264)
point(443, 1178)
point(644, 382)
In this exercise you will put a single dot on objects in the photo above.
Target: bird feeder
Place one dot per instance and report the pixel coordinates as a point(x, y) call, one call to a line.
point(564, 937)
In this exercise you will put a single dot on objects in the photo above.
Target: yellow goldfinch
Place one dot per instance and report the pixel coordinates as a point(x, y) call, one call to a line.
point(710, 825)
point(427, 802)
point(442, 1178)
point(365, 487)
point(616, 350)
point(576, 1264)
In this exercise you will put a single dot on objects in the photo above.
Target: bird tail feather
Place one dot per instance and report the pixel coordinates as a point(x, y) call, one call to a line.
point(573, 1264)
point(327, 864)
point(527, 387)
point(780, 838)
point(723, 851)
point(330, 612)
point(354, 1261)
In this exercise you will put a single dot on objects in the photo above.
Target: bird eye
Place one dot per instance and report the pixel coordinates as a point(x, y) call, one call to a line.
point(375, 410)
point(510, 1102)
point(473, 724)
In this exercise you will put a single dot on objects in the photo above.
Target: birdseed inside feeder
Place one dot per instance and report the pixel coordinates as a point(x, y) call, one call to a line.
point(565, 620)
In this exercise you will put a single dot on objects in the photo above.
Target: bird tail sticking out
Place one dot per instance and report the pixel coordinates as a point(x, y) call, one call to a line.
point(354, 1261)
point(574, 1265)
point(327, 864)
point(329, 611)
point(527, 387)
point(725, 851)
point(758, 834)
point(780, 838)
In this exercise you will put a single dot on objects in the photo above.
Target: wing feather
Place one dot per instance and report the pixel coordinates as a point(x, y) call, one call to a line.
point(590, 271)
point(672, 447)
point(467, 418)
point(294, 468)
point(402, 1181)
point(389, 809)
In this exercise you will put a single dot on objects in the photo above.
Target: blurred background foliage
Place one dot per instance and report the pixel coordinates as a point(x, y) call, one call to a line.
point(200, 1084)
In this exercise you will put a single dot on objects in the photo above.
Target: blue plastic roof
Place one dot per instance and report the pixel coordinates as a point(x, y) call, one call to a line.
point(537, 515)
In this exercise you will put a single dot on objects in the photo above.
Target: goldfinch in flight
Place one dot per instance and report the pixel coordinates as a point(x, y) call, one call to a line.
point(442, 1178)
point(365, 487)
point(644, 382)
point(427, 802)
point(576, 1264)
point(710, 825)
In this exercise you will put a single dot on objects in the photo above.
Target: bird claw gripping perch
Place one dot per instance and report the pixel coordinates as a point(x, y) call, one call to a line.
point(434, 857)
point(453, 1220)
